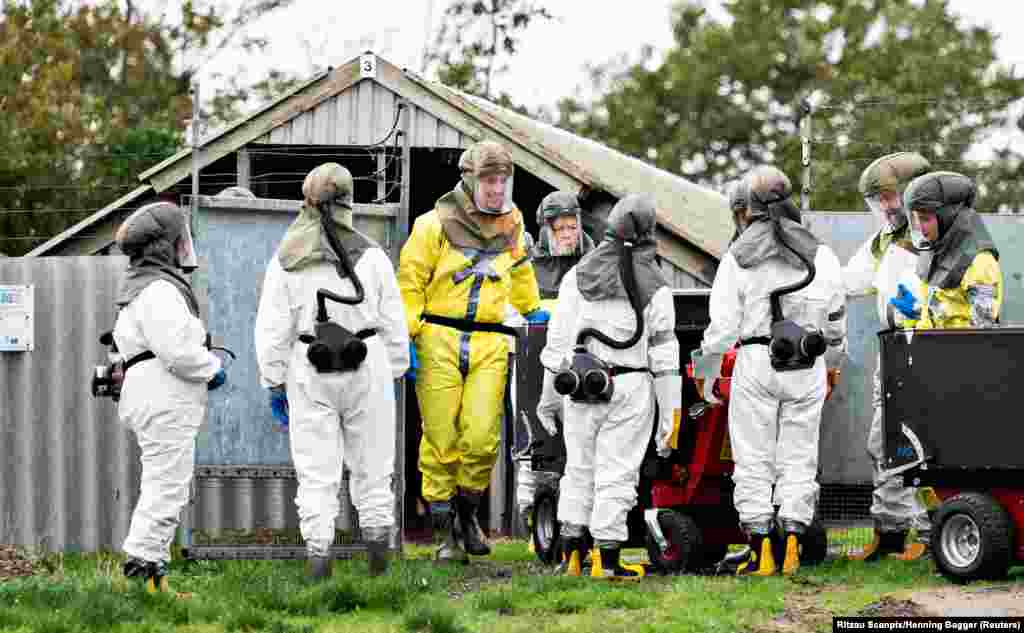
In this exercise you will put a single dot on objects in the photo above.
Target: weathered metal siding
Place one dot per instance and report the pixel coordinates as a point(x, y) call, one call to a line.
point(69, 472)
point(363, 115)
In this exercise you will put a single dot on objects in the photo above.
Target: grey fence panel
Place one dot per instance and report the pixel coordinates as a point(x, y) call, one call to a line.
point(69, 472)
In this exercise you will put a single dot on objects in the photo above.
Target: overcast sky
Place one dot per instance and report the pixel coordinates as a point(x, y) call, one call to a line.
point(550, 63)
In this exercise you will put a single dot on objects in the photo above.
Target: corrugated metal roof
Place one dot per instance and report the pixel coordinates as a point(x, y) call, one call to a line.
point(43, 248)
point(695, 213)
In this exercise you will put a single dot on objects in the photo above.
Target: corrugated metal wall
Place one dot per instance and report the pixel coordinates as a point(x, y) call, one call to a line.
point(69, 472)
point(363, 115)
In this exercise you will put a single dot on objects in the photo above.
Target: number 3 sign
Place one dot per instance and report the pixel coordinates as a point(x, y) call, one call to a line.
point(368, 66)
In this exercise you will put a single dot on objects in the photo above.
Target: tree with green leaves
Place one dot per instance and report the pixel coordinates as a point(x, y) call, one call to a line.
point(477, 38)
point(93, 93)
point(881, 76)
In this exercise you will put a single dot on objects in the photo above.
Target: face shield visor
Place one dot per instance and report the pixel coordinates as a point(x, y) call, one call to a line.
point(887, 207)
point(185, 248)
point(566, 229)
point(924, 228)
point(492, 191)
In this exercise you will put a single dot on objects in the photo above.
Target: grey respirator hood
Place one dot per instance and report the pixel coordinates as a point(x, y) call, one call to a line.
point(148, 238)
point(773, 219)
point(599, 275)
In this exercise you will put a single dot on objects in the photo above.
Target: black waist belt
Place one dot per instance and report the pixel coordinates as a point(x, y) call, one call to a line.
point(470, 326)
point(138, 358)
point(618, 370)
point(755, 340)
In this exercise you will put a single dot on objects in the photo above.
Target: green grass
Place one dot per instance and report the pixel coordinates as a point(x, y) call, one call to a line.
point(508, 592)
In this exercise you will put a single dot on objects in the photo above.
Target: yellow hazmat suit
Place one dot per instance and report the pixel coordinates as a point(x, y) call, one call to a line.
point(958, 307)
point(462, 263)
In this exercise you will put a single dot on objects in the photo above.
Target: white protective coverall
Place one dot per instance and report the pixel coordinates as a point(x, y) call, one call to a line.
point(893, 506)
point(163, 401)
point(774, 417)
point(336, 416)
point(605, 443)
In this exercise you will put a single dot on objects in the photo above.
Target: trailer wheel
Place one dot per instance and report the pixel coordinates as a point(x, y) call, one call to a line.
point(546, 542)
point(683, 536)
point(972, 538)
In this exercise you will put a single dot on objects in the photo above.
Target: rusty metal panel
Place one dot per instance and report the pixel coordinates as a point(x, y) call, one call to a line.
point(69, 471)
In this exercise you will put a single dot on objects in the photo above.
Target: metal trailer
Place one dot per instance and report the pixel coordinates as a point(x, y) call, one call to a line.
point(951, 403)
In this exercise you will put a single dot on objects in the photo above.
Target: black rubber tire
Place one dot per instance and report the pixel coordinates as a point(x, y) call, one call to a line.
point(684, 538)
point(972, 538)
point(814, 547)
point(545, 533)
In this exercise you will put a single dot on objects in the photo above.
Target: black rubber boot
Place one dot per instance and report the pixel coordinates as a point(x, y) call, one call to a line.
point(611, 569)
point(376, 540)
point(153, 574)
point(318, 568)
point(449, 549)
point(466, 504)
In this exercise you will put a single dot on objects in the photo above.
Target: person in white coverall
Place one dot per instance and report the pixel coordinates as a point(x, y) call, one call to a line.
point(876, 269)
point(774, 416)
point(606, 441)
point(168, 373)
point(336, 415)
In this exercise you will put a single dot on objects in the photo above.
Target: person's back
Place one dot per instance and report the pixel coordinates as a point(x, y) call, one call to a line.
point(809, 306)
point(775, 405)
point(339, 405)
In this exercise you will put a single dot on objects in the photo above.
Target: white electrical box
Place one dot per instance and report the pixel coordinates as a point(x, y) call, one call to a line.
point(17, 315)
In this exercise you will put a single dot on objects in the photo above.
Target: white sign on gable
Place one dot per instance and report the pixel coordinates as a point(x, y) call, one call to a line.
point(368, 66)
point(16, 318)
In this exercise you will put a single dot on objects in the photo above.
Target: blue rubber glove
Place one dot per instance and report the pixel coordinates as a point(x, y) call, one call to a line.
point(414, 363)
point(906, 303)
point(218, 379)
point(279, 405)
point(538, 316)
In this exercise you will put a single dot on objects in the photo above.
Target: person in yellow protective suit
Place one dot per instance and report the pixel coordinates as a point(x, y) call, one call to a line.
point(960, 282)
point(464, 262)
point(886, 256)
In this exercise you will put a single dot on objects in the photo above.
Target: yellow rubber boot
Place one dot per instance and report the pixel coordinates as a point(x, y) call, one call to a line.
point(572, 558)
point(761, 561)
point(156, 584)
point(791, 563)
point(573, 565)
point(606, 565)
